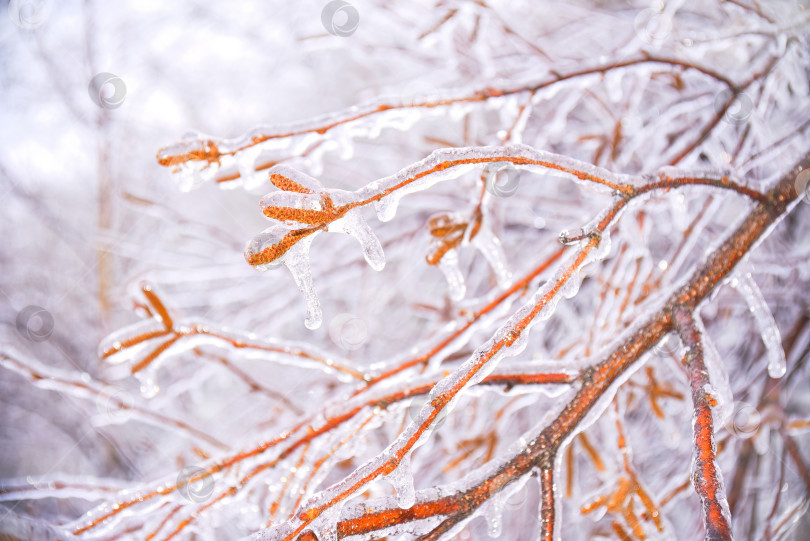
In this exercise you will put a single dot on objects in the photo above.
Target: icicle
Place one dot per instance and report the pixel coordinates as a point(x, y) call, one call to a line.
point(452, 273)
point(402, 481)
point(246, 165)
point(491, 248)
point(771, 337)
point(668, 347)
point(327, 525)
point(515, 494)
point(717, 375)
point(353, 224)
point(493, 512)
point(386, 207)
point(297, 261)
point(571, 286)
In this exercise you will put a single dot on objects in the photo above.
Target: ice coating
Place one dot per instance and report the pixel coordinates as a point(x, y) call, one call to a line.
point(402, 481)
point(493, 512)
point(326, 528)
point(490, 246)
point(475, 363)
point(111, 347)
point(472, 371)
point(718, 376)
point(44, 487)
point(303, 208)
point(769, 331)
point(355, 225)
point(109, 404)
point(201, 158)
point(274, 203)
point(275, 236)
point(629, 117)
point(451, 163)
point(452, 273)
point(287, 178)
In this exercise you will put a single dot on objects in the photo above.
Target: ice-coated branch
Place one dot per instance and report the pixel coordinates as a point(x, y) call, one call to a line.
point(548, 509)
point(677, 137)
point(112, 402)
point(518, 286)
point(224, 160)
point(303, 208)
point(596, 385)
point(706, 476)
point(140, 348)
point(307, 431)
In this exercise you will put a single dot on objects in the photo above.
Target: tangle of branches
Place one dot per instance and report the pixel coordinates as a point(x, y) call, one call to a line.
point(584, 314)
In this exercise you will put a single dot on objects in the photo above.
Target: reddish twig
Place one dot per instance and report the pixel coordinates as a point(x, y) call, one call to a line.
point(706, 476)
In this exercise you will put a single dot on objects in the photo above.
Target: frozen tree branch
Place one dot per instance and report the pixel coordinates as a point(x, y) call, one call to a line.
point(563, 194)
point(706, 477)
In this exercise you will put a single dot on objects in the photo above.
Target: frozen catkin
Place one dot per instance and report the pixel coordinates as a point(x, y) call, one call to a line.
point(301, 210)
